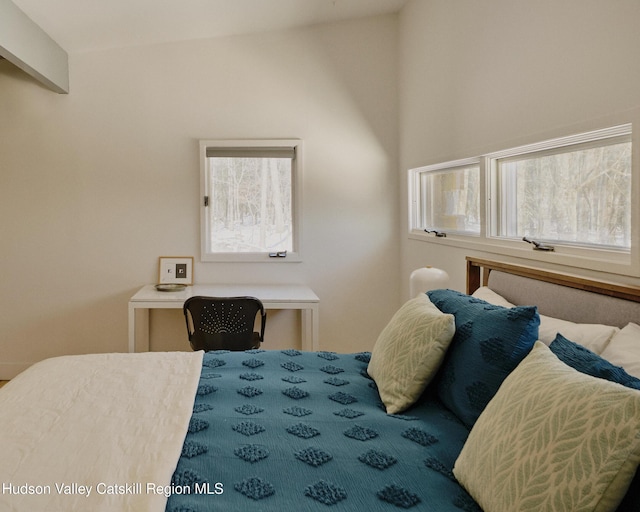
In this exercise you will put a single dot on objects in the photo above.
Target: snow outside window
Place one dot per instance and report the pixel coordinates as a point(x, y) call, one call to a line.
point(249, 204)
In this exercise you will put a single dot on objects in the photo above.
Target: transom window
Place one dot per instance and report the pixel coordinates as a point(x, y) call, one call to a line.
point(448, 198)
point(580, 194)
point(572, 195)
point(249, 203)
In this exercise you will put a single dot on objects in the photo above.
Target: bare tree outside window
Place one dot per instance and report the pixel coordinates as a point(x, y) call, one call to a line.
point(250, 204)
point(580, 195)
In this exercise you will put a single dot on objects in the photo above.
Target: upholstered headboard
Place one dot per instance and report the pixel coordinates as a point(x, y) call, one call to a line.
point(565, 296)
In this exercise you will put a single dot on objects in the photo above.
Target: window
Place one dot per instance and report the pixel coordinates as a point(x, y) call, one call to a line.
point(572, 194)
point(576, 194)
point(447, 198)
point(250, 205)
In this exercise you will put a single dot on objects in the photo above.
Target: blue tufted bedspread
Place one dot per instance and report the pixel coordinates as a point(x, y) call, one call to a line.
point(306, 431)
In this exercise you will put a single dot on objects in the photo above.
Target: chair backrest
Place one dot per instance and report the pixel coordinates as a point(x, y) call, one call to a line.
point(217, 323)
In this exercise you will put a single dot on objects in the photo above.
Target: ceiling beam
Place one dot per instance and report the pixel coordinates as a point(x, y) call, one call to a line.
point(26, 45)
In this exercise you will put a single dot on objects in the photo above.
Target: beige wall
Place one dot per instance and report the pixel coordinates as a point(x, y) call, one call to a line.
point(482, 76)
point(94, 186)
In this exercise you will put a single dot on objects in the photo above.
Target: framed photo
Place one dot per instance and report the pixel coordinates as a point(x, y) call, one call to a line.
point(175, 270)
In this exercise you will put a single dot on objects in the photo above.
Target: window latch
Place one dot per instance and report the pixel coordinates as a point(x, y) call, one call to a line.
point(538, 246)
point(279, 254)
point(439, 234)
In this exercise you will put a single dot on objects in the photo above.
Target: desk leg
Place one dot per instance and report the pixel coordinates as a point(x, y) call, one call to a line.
point(132, 328)
point(138, 329)
point(310, 328)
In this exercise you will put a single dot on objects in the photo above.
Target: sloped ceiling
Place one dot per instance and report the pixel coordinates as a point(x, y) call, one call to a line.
point(87, 25)
point(38, 35)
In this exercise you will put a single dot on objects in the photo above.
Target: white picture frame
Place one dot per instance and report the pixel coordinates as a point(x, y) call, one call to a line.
point(175, 270)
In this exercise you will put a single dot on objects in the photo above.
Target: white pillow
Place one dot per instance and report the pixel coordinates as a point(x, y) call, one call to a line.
point(552, 439)
point(488, 295)
point(595, 337)
point(624, 349)
point(409, 352)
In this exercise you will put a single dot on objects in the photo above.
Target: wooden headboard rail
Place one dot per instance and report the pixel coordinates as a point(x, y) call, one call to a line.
point(478, 275)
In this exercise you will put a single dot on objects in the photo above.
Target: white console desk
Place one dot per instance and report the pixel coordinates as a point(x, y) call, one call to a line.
point(272, 296)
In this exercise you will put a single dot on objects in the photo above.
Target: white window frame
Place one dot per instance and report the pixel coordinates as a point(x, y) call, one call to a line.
point(417, 199)
point(293, 256)
point(498, 214)
point(615, 261)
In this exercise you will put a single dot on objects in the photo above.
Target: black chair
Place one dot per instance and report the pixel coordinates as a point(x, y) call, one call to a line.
point(224, 323)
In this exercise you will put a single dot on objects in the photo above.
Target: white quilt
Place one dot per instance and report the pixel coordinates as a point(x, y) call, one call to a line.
point(96, 432)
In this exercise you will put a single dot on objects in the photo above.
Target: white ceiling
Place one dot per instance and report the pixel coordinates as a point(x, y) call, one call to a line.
point(86, 25)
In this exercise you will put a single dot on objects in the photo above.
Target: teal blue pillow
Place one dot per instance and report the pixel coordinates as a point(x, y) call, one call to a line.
point(490, 341)
point(590, 363)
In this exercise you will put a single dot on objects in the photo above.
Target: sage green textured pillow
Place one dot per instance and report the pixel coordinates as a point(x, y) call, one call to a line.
point(552, 439)
point(409, 352)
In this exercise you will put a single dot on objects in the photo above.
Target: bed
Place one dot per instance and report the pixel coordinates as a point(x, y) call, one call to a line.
point(446, 413)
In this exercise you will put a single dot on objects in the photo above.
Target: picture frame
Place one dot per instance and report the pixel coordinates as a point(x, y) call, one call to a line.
point(175, 270)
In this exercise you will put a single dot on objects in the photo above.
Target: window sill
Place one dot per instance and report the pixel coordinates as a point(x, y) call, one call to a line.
point(249, 257)
point(611, 262)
